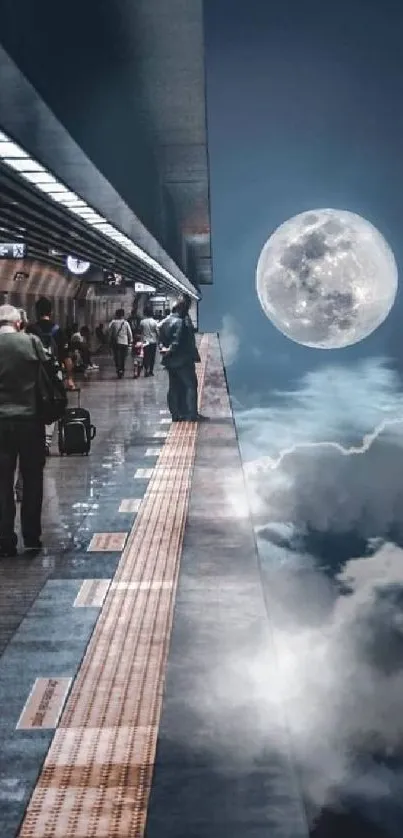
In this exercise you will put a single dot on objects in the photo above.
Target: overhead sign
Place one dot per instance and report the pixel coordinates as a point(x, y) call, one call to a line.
point(140, 288)
point(13, 250)
point(75, 266)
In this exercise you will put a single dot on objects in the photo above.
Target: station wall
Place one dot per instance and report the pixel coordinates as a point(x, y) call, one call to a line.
point(22, 282)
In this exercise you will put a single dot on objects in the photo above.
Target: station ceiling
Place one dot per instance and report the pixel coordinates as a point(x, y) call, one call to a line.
point(144, 62)
point(170, 45)
point(51, 232)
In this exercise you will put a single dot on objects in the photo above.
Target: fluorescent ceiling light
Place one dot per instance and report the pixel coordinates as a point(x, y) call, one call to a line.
point(89, 213)
point(118, 237)
point(23, 165)
point(58, 189)
point(78, 207)
point(81, 211)
point(95, 219)
point(106, 228)
point(38, 177)
point(9, 149)
point(49, 187)
point(32, 171)
point(67, 198)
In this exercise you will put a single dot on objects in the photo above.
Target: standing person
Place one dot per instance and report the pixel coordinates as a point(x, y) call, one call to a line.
point(121, 338)
point(18, 482)
point(54, 342)
point(149, 332)
point(86, 350)
point(22, 432)
point(180, 356)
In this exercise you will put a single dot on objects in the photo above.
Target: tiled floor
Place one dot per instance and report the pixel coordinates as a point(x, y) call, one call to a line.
point(97, 774)
point(49, 605)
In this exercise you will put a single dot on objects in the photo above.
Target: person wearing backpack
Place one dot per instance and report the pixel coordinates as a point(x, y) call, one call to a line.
point(120, 339)
point(54, 342)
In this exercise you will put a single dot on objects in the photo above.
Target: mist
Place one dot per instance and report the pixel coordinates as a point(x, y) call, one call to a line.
point(323, 690)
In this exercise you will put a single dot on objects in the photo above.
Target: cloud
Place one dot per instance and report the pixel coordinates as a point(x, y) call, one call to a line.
point(328, 681)
point(330, 537)
point(333, 403)
point(229, 339)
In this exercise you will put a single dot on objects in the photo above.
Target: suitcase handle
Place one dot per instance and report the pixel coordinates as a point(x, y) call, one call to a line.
point(78, 391)
point(93, 432)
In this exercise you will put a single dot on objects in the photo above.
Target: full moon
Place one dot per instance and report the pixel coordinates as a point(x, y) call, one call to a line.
point(326, 278)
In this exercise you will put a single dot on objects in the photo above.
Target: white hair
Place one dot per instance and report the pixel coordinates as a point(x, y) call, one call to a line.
point(9, 315)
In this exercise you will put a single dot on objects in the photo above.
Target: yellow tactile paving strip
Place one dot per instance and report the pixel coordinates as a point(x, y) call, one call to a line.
point(96, 779)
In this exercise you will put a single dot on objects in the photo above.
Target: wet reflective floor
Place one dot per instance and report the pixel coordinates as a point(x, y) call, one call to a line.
point(82, 493)
point(41, 635)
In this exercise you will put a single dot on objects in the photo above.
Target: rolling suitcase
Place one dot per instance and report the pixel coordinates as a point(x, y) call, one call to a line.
point(76, 431)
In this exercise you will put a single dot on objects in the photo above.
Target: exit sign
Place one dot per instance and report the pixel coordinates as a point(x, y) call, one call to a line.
point(12, 250)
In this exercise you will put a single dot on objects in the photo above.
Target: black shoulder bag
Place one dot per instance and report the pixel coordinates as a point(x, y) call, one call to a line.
point(50, 393)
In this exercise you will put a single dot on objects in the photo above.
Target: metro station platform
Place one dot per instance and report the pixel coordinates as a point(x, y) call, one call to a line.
point(126, 707)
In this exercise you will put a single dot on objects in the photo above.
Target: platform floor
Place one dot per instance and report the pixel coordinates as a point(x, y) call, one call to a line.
point(137, 653)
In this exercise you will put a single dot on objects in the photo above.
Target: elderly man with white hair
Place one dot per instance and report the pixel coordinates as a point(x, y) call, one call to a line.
point(22, 432)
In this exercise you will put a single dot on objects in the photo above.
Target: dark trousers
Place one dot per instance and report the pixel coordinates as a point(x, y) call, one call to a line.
point(85, 354)
point(119, 356)
point(23, 439)
point(150, 351)
point(182, 392)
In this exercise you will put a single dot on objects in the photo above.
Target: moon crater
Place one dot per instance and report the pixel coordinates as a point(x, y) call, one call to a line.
point(327, 278)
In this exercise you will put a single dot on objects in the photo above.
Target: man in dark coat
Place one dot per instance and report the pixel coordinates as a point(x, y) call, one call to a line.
point(180, 356)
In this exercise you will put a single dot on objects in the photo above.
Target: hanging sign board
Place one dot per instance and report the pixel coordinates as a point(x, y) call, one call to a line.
point(13, 250)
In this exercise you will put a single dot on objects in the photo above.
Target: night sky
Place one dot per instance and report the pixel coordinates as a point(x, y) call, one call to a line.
point(304, 110)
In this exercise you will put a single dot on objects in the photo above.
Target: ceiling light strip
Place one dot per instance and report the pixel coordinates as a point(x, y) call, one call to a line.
point(16, 158)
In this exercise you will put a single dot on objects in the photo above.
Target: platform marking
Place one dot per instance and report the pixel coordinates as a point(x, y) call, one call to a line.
point(153, 452)
point(112, 542)
point(164, 412)
point(160, 435)
point(156, 585)
point(92, 593)
point(165, 421)
point(96, 779)
point(44, 704)
point(142, 473)
point(130, 505)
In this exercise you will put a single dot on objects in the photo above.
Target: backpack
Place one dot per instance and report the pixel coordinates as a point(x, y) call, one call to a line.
point(50, 392)
point(47, 339)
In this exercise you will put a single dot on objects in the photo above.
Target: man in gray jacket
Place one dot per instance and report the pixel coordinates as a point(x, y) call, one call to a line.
point(22, 434)
point(121, 339)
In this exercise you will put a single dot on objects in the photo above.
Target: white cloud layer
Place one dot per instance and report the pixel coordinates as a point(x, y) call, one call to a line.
point(229, 339)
